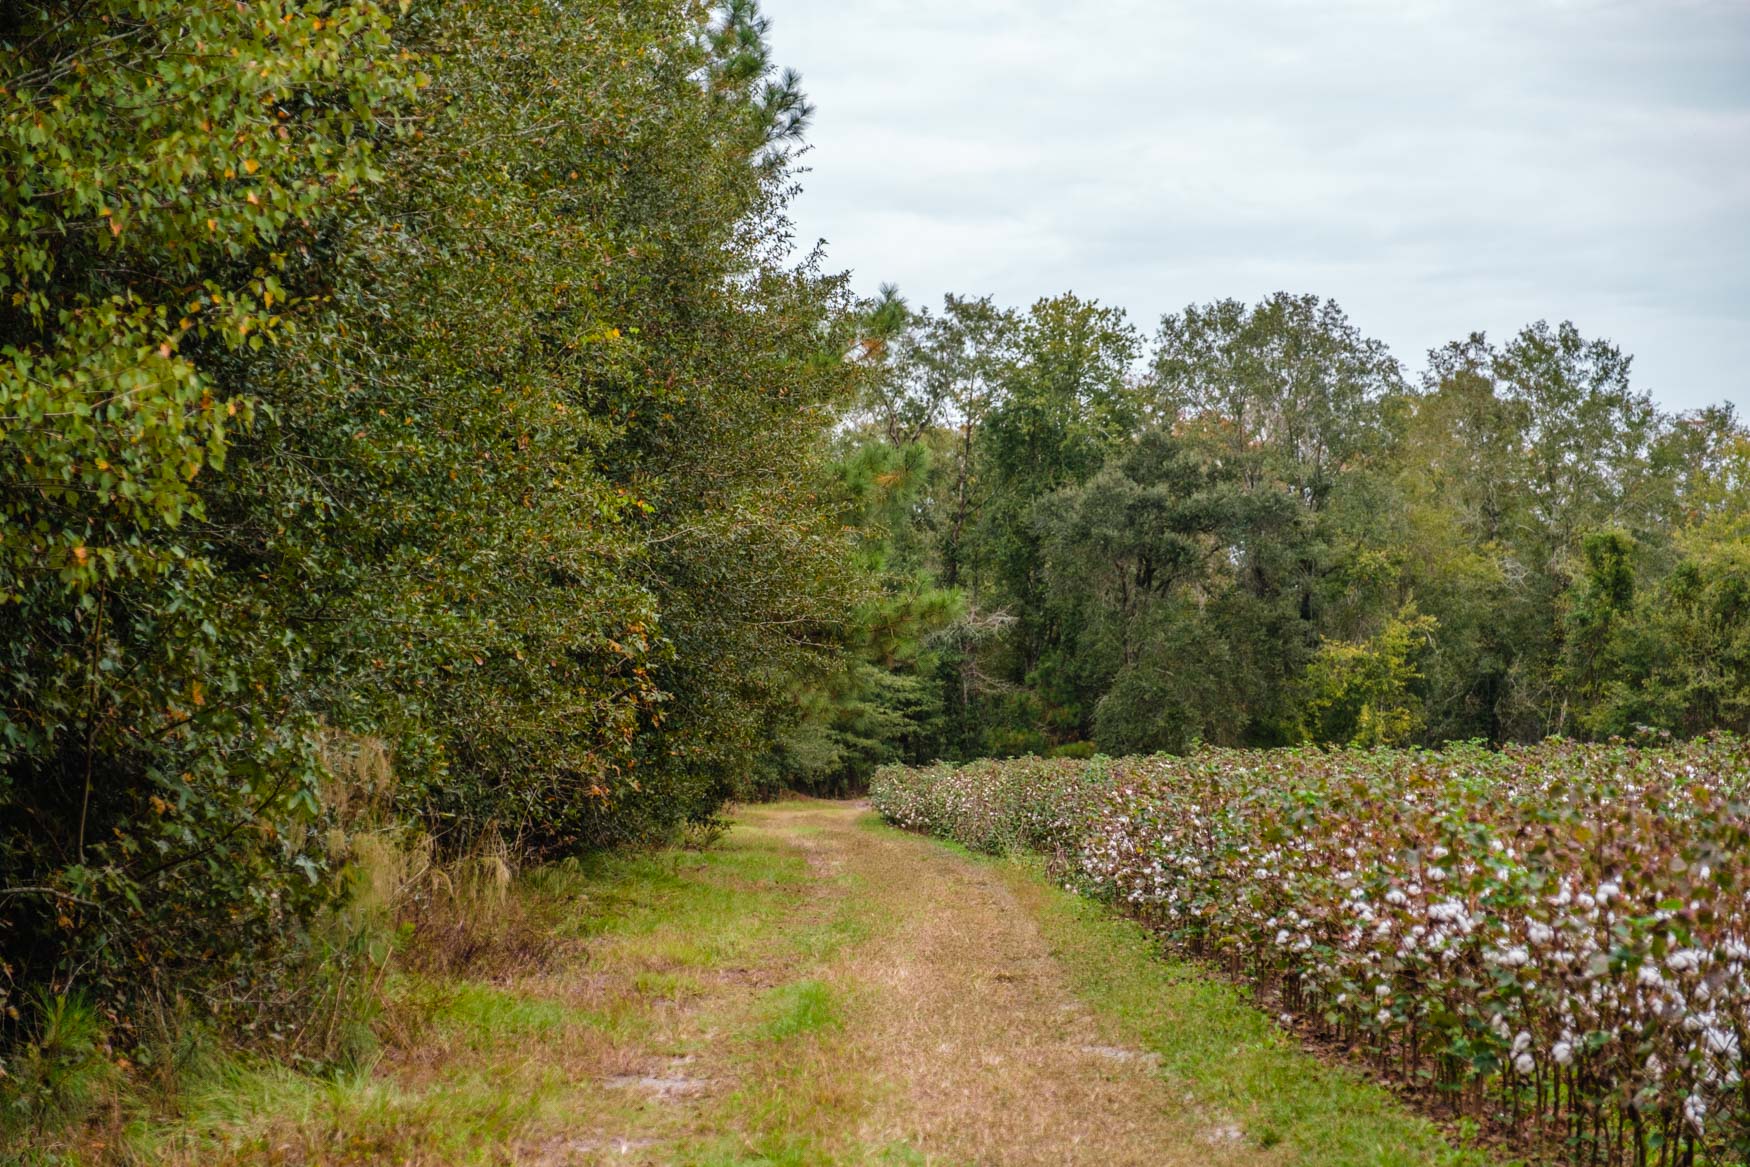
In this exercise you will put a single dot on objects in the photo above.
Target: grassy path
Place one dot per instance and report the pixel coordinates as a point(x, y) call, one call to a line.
point(818, 989)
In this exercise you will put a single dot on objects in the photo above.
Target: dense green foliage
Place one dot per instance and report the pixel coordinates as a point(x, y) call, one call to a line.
point(1551, 939)
point(432, 379)
point(1263, 534)
point(167, 170)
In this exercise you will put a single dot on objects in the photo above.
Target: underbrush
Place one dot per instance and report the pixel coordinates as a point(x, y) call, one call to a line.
point(373, 978)
point(1551, 943)
point(365, 975)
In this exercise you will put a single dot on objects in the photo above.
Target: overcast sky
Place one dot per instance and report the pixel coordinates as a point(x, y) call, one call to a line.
point(1437, 166)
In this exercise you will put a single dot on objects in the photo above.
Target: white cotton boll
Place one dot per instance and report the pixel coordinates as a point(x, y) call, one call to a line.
point(1383, 1017)
point(1436, 874)
point(1513, 957)
point(1396, 897)
point(1438, 853)
point(1649, 977)
point(1282, 937)
point(1608, 891)
point(1342, 998)
point(1524, 1064)
point(1683, 960)
point(1585, 902)
point(1382, 991)
point(1540, 933)
point(1695, 1110)
point(1286, 1019)
point(1498, 1023)
point(1521, 1042)
point(1563, 1053)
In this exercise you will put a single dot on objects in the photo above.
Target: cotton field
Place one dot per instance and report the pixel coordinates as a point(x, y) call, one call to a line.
point(1552, 940)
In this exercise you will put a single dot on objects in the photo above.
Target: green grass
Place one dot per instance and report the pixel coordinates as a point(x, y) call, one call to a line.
point(804, 1007)
point(484, 1011)
point(1226, 1053)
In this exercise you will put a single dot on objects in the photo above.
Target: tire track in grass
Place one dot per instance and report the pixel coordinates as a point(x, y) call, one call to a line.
point(735, 1092)
point(990, 1056)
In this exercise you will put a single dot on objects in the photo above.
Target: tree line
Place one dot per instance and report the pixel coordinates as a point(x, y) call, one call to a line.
point(1261, 530)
